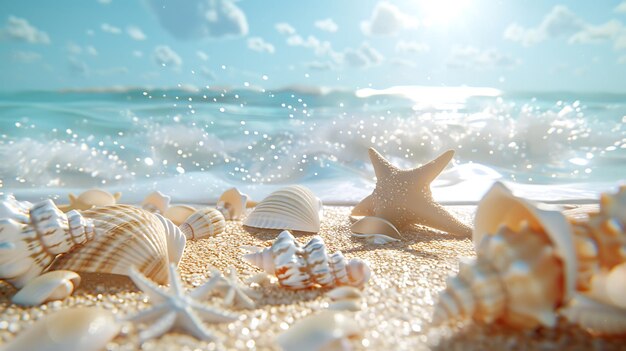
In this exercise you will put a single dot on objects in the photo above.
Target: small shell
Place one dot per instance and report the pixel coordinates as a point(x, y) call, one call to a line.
point(16, 210)
point(596, 317)
point(93, 198)
point(609, 286)
point(376, 226)
point(70, 329)
point(345, 305)
point(327, 330)
point(203, 223)
point(54, 285)
point(291, 208)
point(232, 204)
point(156, 202)
point(344, 293)
point(179, 213)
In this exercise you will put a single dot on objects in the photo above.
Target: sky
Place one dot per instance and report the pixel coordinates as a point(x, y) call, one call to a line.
point(514, 45)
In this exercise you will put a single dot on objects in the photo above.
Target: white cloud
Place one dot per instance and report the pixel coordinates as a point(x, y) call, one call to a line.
point(107, 28)
point(75, 49)
point(327, 25)
point(319, 66)
point(20, 30)
point(411, 47)
point(77, 66)
point(164, 56)
point(285, 28)
point(620, 42)
point(364, 56)
point(259, 45)
point(138, 53)
point(622, 60)
point(91, 50)
point(207, 73)
point(402, 62)
point(593, 34)
point(559, 22)
point(202, 55)
point(387, 19)
point(474, 58)
point(197, 19)
point(320, 48)
point(135, 33)
point(621, 8)
point(26, 56)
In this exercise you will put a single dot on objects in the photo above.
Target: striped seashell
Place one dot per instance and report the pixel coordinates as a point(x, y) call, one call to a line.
point(203, 223)
point(126, 236)
point(178, 214)
point(54, 285)
point(290, 208)
point(17, 210)
point(596, 317)
point(302, 267)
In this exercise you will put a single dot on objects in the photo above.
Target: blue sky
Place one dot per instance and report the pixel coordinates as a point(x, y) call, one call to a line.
point(512, 45)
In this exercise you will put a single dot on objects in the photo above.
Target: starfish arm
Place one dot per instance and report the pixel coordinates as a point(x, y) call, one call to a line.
point(147, 314)
point(428, 172)
point(159, 328)
point(148, 287)
point(437, 217)
point(192, 323)
point(205, 289)
point(212, 315)
point(176, 284)
point(365, 207)
point(382, 167)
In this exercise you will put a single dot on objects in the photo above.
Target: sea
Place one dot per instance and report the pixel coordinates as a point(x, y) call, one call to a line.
point(193, 143)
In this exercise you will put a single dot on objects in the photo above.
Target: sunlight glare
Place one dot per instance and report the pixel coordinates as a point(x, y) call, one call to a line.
point(442, 12)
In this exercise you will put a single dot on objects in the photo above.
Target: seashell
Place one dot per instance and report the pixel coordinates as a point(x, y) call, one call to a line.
point(233, 204)
point(127, 236)
point(29, 245)
point(344, 293)
point(345, 305)
point(17, 210)
point(609, 286)
point(92, 198)
point(55, 285)
point(375, 230)
point(178, 213)
point(302, 267)
point(71, 329)
point(327, 330)
point(525, 267)
point(290, 208)
point(203, 223)
point(156, 202)
point(601, 237)
point(595, 316)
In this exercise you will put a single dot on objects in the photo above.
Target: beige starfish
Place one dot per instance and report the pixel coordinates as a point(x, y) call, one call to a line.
point(403, 196)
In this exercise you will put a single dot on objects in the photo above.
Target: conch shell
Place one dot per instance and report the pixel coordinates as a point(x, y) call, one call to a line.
point(525, 267)
point(302, 267)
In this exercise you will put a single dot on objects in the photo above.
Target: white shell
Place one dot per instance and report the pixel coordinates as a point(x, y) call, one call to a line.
point(55, 285)
point(70, 329)
point(345, 305)
point(93, 198)
point(344, 293)
point(290, 208)
point(595, 316)
point(376, 226)
point(17, 210)
point(156, 202)
point(327, 330)
point(179, 213)
point(203, 223)
point(232, 204)
point(302, 267)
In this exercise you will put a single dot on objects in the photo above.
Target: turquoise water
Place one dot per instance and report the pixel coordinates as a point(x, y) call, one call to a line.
point(193, 143)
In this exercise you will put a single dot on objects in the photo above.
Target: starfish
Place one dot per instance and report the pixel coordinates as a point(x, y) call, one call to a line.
point(235, 293)
point(173, 308)
point(403, 196)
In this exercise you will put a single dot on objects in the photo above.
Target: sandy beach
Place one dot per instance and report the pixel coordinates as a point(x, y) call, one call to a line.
point(397, 305)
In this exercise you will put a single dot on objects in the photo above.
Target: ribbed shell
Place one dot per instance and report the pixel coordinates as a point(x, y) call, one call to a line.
point(203, 223)
point(290, 208)
point(126, 236)
point(595, 316)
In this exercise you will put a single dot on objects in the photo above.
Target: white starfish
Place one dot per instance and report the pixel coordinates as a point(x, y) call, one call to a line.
point(173, 308)
point(235, 293)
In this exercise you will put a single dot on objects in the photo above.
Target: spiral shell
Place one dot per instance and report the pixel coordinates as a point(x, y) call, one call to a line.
point(156, 202)
point(290, 208)
point(233, 204)
point(302, 267)
point(203, 223)
point(525, 267)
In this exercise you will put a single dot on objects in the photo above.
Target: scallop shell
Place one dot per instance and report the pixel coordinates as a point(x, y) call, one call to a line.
point(376, 230)
point(232, 203)
point(302, 267)
point(203, 223)
point(93, 198)
point(70, 329)
point(290, 208)
point(525, 267)
point(327, 330)
point(178, 214)
point(55, 285)
point(127, 236)
point(156, 202)
point(595, 316)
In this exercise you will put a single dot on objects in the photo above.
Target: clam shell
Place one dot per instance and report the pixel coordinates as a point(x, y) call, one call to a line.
point(203, 223)
point(232, 204)
point(93, 198)
point(73, 329)
point(127, 236)
point(179, 213)
point(327, 330)
point(344, 293)
point(156, 202)
point(54, 285)
point(377, 226)
point(290, 208)
point(595, 316)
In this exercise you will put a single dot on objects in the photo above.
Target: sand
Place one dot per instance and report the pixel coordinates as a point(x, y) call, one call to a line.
point(398, 301)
